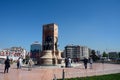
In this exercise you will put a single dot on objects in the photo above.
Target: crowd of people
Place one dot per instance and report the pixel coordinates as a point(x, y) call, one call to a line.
point(68, 62)
point(19, 63)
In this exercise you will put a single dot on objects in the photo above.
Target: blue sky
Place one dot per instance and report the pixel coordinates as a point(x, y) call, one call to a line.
point(92, 23)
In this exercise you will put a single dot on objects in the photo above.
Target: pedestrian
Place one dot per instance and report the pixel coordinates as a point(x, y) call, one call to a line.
point(91, 62)
point(69, 62)
point(66, 62)
point(30, 63)
point(102, 60)
point(85, 61)
point(18, 63)
point(7, 65)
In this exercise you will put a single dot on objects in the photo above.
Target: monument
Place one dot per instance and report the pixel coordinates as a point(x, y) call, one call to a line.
point(50, 53)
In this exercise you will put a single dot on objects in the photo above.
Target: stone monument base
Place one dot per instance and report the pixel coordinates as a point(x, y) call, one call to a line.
point(46, 59)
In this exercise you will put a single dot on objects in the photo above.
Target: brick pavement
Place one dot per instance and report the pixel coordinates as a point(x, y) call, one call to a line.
point(48, 73)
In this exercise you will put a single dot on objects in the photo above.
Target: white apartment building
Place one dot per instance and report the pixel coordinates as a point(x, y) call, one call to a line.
point(77, 52)
point(13, 53)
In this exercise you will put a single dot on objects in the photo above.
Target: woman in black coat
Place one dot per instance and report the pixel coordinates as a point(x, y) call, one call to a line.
point(7, 65)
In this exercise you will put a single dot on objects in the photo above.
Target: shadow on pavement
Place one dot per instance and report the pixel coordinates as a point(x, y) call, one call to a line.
point(1, 72)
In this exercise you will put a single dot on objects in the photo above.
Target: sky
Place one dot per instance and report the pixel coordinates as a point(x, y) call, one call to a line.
point(91, 23)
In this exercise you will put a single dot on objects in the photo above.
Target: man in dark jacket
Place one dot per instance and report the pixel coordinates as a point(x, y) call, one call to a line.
point(66, 62)
point(85, 61)
point(7, 65)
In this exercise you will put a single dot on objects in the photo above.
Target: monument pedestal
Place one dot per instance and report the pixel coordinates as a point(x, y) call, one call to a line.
point(54, 60)
point(46, 59)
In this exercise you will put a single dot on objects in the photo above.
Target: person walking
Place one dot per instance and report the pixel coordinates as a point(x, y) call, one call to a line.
point(69, 62)
point(91, 62)
point(7, 65)
point(30, 63)
point(18, 63)
point(66, 62)
point(85, 61)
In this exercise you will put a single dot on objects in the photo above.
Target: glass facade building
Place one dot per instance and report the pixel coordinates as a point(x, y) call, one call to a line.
point(35, 51)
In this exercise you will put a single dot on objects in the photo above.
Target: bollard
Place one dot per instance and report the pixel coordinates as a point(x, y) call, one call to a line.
point(54, 77)
point(63, 75)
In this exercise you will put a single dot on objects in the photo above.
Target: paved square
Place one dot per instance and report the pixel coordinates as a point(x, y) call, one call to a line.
point(48, 73)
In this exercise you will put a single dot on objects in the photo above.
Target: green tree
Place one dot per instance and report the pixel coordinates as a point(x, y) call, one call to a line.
point(94, 56)
point(105, 54)
point(119, 54)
